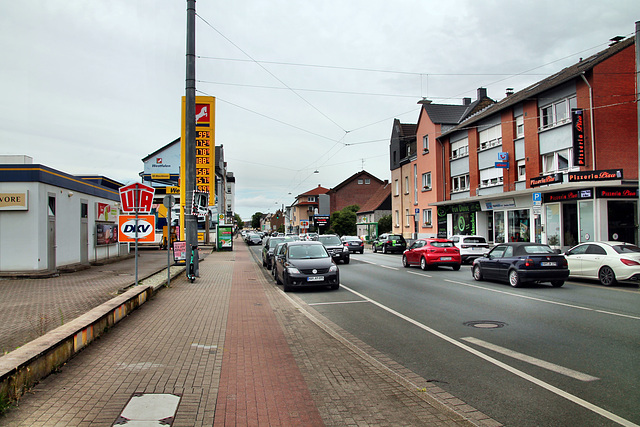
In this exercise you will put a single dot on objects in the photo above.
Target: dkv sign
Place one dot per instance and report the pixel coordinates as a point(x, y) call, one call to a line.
point(146, 228)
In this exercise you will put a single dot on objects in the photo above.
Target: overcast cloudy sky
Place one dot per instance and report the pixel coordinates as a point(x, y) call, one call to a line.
point(92, 87)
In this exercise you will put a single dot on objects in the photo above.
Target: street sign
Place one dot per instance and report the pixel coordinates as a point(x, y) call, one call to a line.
point(136, 198)
point(503, 157)
point(168, 201)
point(503, 165)
point(127, 228)
point(537, 199)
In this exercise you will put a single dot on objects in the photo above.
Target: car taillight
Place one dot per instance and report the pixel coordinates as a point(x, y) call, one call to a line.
point(626, 261)
point(528, 262)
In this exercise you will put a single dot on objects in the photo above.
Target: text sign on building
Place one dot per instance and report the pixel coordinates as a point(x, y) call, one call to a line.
point(127, 228)
point(599, 175)
point(136, 198)
point(577, 127)
point(205, 147)
point(14, 201)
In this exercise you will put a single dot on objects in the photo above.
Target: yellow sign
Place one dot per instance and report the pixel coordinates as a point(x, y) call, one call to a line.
point(205, 152)
point(160, 176)
point(14, 201)
point(173, 190)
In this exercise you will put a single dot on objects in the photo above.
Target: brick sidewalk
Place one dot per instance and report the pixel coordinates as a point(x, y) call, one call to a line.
point(238, 351)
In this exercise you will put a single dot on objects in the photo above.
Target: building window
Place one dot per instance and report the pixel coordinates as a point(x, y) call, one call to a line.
point(367, 181)
point(425, 144)
point(460, 183)
point(406, 185)
point(406, 214)
point(460, 148)
point(415, 184)
point(52, 206)
point(360, 182)
point(311, 199)
point(397, 218)
point(84, 210)
point(489, 138)
point(490, 177)
point(557, 161)
point(557, 114)
point(522, 170)
point(519, 126)
point(426, 217)
point(397, 189)
point(426, 181)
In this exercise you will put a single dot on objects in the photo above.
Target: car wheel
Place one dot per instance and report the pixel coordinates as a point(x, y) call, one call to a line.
point(514, 279)
point(606, 276)
point(405, 263)
point(557, 283)
point(456, 267)
point(287, 286)
point(278, 281)
point(264, 263)
point(384, 249)
point(374, 249)
point(423, 263)
point(361, 252)
point(477, 273)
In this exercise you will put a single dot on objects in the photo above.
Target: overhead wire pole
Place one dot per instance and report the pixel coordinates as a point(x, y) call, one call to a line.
point(190, 220)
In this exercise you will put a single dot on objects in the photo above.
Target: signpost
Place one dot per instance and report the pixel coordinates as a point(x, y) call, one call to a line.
point(168, 201)
point(136, 198)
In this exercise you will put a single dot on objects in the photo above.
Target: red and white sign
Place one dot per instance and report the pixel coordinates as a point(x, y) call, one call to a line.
point(136, 197)
point(127, 228)
point(202, 113)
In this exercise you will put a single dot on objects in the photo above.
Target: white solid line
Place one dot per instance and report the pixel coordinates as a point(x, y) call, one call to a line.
point(419, 274)
point(336, 302)
point(523, 375)
point(532, 360)
point(544, 300)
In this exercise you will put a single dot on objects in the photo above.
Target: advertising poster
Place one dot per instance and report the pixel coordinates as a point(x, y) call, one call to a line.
point(106, 234)
point(180, 252)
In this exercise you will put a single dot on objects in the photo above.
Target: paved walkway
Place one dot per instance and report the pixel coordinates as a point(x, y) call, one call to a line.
point(237, 351)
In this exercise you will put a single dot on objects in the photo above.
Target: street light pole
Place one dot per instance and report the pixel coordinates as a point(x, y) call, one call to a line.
point(190, 220)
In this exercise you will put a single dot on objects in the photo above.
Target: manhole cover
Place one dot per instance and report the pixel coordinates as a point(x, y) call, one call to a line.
point(485, 324)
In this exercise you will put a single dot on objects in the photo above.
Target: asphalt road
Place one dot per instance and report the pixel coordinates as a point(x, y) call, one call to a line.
point(532, 356)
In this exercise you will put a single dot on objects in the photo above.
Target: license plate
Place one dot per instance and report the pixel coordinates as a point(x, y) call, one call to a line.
point(315, 279)
point(548, 264)
point(445, 258)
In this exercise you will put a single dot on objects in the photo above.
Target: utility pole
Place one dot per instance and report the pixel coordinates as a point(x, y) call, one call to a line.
point(190, 220)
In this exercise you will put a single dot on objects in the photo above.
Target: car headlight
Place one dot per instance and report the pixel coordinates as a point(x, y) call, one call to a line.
point(333, 268)
point(293, 270)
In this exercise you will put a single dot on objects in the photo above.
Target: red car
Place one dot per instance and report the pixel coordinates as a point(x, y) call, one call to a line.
point(432, 252)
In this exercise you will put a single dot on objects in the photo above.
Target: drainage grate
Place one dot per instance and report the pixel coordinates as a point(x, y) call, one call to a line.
point(485, 324)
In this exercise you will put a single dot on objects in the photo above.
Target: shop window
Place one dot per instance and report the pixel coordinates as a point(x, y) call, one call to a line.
point(498, 226)
point(519, 223)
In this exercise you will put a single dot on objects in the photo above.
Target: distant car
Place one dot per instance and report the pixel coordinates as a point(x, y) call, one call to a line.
point(253, 239)
point(389, 243)
point(267, 250)
point(432, 253)
point(305, 263)
point(471, 247)
point(607, 262)
point(312, 236)
point(335, 247)
point(353, 243)
point(292, 236)
point(521, 262)
point(278, 251)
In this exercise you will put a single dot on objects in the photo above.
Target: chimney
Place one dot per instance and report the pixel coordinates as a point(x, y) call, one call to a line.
point(482, 92)
point(466, 101)
point(425, 101)
point(509, 91)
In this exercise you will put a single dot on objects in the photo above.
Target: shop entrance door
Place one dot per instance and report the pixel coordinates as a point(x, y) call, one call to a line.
point(622, 221)
point(570, 224)
point(587, 226)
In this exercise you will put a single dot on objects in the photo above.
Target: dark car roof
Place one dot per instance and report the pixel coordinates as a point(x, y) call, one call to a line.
point(303, 242)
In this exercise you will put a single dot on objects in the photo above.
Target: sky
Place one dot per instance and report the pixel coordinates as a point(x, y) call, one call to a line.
point(306, 92)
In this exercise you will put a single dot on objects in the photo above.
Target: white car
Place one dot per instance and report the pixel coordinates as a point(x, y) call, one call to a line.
point(607, 262)
point(471, 247)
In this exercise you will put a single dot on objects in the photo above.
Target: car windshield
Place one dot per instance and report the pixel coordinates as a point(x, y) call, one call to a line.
point(442, 244)
point(474, 240)
point(626, 249)
point(274, 241)
point(536, 249)
point(330, 240)
point(307, 252)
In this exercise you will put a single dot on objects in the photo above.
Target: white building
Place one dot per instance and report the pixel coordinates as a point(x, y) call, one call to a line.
point(51, 220)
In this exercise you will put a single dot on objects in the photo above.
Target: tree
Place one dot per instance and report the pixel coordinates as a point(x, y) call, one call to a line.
point(343, 222)
point(255, 220)
point(384, 224)
point(239, 221)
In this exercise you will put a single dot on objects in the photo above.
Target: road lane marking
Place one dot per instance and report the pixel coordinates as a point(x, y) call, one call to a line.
point(532, 360)
point(553, 389)
point(578, 307)
point(336, 302)
point(419, 274)
point(390, 268)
